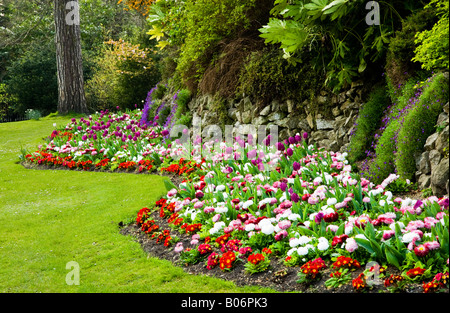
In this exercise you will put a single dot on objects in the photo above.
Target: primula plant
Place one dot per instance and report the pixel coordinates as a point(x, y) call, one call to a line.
point(257, 262)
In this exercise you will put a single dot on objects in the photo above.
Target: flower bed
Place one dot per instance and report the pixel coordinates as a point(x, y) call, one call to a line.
point(312, 207)
point(302, 204)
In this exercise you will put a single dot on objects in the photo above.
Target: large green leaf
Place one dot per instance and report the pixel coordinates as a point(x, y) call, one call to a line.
point(365, 244)
point(169, 185)
point(391, 258)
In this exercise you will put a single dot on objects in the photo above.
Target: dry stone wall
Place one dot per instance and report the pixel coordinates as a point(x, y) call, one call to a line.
point(327, 118)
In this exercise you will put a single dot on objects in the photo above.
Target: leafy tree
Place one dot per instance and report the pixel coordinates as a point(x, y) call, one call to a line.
point(142, 6)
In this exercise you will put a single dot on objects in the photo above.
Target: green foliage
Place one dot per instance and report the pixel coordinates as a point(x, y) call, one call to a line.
point(336, 31)
point(183, 115)
point(369, 118)
point(122, 77)
point(32, 80)
point(168, 24)
point(433, 46)
point(383, 164)
point(266, 75)
point(427, 192)
point(419, 124)
point(208, 22)
point(32, 114)
point(400, 186)
point(191, 256)
point(399, 66)
point(6, 101)
point(407, 124)
point(159, 92)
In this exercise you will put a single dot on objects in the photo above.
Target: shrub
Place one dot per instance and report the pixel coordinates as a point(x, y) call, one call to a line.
point(399, 66)
point(432, 49)
point(6, 102)
point(419, 124)
point(405, 127)
point(206, 24)
point(381, 156)
point(32, 80)
point(266, 75)
point(31, 114)
point(124, 74)
point(183, 116)
point(335, 34)
point(369, 118)
point(383, 163)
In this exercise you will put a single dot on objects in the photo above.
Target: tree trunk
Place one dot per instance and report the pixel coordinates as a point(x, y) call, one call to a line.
point(71, 96)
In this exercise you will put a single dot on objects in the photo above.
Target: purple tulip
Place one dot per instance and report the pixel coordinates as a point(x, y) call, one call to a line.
point(418, 204)
point(292, 140)
point(260, 167)
point(305, 135)
point(298, 138)
point(250, 139)
point(280, 146)
point(251, 154)
point(296, 166)
point(318, 217)
point(294, 197)
point(283, 186)
point(289, 152)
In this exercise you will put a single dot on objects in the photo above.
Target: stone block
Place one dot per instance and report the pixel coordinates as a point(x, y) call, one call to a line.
point(439, 178)
point(430, 142)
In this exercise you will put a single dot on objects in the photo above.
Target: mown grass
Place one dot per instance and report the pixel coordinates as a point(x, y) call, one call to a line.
point(51, 217)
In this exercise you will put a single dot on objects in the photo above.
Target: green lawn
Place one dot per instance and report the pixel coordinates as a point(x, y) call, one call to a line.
point(51, 217)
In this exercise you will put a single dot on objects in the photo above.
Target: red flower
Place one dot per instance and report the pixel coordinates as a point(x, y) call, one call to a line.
point(421, 250)
point(393, 280)
point(338, 239)
point(256, 258)
point(346, 262)
point(267, 251)
point(226, 261)
point(415, 272)
point(359, 282)
point(312, 268)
